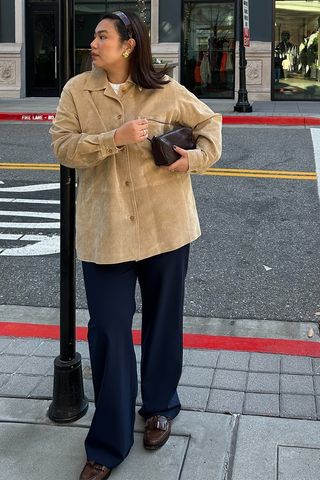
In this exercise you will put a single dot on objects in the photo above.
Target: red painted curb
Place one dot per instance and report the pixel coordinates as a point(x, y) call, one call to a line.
point(227, 119)
point(190, 340)
point(270, 120)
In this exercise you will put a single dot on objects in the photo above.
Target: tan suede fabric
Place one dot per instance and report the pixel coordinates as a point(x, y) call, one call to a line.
point(127, 207)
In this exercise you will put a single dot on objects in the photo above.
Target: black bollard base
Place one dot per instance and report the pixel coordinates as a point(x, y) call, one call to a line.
point(244, 108)
point(69, 402)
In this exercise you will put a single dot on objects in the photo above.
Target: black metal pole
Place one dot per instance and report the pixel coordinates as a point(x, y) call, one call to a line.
point(242, 104)
point(69, 402)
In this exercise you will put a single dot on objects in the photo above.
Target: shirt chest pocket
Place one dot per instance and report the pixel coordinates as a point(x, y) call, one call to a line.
point(101, 115)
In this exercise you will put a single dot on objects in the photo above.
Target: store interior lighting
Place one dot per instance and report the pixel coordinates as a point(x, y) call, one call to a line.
point(306, 6)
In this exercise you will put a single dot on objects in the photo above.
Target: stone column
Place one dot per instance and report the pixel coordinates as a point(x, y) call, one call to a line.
point(258, 72)
point(154, 21)
point(12, 61)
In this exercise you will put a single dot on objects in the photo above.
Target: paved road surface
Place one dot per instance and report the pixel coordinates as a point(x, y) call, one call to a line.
point(258, 256)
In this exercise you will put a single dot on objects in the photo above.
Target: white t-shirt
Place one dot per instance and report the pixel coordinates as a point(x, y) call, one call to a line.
point(116, 86)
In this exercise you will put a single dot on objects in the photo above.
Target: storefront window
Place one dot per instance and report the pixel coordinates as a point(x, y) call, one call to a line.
point(7, 28)
point(88, 14)
point(208, 48)
point(297, 50)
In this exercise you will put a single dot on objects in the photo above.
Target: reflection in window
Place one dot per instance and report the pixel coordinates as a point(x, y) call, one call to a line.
point(88, 14)
point(297, 50)
point(7, 27)
point(208, 49)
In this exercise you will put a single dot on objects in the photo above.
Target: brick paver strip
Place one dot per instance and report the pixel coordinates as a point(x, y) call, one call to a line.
point(233, 360)
point(4, 342)
point(230, 380)
point(4, 378)
point(200, 358)
point(225, 401)
point(318, 407)
point(264, 362)
point(299, 384)
point(261, 404)
point(196, 376)
point(10, 363)
point(316, 366)
point(263, 382)
point(20, 385)
point(316, 383)
point(23, 346)
point(36, 366)
point(193, 397)
point(298, 406)
point(241, 382)
point(48, 348)
point(44, 389)
point(298, 365)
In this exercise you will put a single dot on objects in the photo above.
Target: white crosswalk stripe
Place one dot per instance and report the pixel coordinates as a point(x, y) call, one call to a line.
point(31, 188)
point(29, 200)
point(53, 225)
point(5, 213)
point(25, 238)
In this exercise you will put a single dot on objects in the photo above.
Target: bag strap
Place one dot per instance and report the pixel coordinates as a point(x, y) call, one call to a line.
point(164, 123)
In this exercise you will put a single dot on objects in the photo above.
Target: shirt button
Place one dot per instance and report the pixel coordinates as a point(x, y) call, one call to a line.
point(119, 117)
point(127, 183)
point(132, 218)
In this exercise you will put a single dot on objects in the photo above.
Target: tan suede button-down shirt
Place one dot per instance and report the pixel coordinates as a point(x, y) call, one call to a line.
point(127, 207)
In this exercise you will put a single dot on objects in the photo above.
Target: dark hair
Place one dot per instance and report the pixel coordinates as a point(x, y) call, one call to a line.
point(142, 70)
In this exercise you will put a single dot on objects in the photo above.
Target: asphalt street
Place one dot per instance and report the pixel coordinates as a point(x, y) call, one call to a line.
point(259, 253)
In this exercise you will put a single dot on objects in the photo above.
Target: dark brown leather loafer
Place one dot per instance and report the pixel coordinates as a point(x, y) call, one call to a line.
point(157, 431)
point(94, 471)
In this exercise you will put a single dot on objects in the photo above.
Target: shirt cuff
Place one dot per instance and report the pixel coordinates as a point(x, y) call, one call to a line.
point(108, 147)
point(195, 158)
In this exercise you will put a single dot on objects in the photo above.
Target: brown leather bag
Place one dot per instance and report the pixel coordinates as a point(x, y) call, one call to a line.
point(162, 145)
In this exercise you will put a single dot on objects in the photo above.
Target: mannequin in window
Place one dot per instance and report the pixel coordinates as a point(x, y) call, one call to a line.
point(224, 61)
point(213, 46)
point(285, 45)
point(287, 53)
point(277, 66)
point(197, 73)
point(205, 70)
point(308, 52)
point(312, 53)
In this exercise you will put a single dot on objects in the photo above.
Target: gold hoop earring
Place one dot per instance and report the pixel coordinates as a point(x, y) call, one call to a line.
point(126, 54)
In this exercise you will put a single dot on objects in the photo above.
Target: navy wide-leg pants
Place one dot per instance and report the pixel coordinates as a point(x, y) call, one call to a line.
point(110, 293)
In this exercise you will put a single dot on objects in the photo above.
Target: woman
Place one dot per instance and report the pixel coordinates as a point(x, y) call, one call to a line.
point(134, 221)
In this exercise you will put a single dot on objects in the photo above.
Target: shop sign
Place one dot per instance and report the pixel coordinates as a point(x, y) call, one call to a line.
point(246, 27)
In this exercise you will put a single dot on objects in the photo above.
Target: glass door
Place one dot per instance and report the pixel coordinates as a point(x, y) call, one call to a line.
point(208, 48)
point(42, 49)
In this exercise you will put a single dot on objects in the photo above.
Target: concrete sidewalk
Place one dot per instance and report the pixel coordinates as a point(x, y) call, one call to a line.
point(245, 416)
point(264, 108)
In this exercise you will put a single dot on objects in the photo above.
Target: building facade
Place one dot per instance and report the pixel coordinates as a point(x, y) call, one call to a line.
point(198, 38)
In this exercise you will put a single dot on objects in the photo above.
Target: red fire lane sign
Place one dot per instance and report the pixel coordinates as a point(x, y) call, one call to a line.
point(26, 117)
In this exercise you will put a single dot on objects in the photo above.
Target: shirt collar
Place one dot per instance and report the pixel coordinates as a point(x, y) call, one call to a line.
point(98, 80)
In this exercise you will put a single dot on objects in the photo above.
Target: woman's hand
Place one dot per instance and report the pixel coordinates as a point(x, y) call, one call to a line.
point(134, 131)
point(182, 164)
